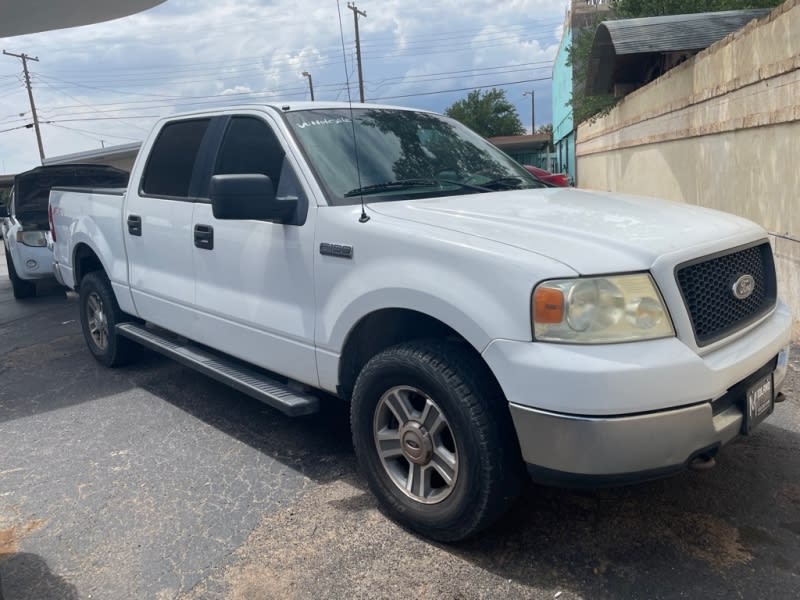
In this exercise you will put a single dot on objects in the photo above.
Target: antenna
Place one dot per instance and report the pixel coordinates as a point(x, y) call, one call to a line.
point(364, 216)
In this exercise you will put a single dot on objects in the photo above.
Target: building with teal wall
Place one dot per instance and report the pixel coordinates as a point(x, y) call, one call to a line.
point(563, 126)
point(581, 14)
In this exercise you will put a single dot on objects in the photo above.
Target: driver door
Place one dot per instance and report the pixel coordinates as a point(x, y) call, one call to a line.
point(254, 286)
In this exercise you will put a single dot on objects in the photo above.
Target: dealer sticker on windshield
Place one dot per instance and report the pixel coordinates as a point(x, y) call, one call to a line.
point(759, 403)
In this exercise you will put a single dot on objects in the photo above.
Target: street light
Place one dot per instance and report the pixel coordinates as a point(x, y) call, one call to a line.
point(310, 84)
point(533, 109)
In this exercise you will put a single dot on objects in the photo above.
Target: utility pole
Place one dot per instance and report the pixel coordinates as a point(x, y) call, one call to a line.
point(25, 58)
point(533, 109)
point(310, 84)
point(356, 12)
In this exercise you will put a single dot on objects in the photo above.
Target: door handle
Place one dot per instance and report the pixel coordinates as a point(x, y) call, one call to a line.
point(135, 225)
point(204, 237)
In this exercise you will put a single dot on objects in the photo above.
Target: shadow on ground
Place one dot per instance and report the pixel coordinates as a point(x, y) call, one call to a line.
point(25, 576)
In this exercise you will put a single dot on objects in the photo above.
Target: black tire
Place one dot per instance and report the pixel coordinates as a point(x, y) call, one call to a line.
point(117, 350)
point(489, 471)
point(22, 289)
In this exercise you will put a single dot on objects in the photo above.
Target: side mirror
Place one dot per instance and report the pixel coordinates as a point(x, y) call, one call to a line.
point(3, 212)
point(248, 196)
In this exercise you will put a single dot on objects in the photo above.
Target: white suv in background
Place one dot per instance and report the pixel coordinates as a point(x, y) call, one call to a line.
point(25, 220)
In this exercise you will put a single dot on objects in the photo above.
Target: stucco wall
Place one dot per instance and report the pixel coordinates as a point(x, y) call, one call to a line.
point(721, 130)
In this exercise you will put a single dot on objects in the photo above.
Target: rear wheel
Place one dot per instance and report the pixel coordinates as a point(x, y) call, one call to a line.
point(100, 315)
point(21, 288)
point(434, 439)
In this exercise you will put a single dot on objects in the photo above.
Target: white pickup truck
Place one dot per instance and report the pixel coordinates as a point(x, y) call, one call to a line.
point(24, 221)
point(476, 321)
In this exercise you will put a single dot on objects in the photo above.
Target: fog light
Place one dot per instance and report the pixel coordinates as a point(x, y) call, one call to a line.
point(31, 264)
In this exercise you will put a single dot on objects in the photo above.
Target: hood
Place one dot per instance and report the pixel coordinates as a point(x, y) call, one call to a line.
point(32, 188)
point(591, 232)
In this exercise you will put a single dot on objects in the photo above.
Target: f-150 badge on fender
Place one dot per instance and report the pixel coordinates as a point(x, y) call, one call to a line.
point(338, 250)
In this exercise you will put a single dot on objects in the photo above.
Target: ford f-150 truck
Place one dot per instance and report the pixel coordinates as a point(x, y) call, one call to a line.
point(476, 322)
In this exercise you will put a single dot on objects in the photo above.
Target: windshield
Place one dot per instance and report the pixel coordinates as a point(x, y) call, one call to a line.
point(402, 154)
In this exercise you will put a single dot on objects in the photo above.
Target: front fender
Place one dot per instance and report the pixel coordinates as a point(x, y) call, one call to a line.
point(495, 304)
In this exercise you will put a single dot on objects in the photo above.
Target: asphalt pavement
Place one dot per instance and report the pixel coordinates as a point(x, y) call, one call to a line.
point(152, 481)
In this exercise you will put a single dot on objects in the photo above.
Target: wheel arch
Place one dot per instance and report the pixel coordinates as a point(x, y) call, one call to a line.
point(386, 327)
point(84, 261)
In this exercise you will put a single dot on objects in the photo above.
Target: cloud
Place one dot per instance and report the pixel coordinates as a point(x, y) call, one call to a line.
point(239, 89)
point(112, 80)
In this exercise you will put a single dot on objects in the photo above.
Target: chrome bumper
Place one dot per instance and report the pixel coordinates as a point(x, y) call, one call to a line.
point(571, 449)
point(641, 444)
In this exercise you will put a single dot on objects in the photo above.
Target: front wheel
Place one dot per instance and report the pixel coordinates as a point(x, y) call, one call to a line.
point(434, 439)
point(100, 315)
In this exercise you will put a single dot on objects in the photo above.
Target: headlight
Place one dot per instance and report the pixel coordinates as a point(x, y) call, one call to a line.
point(32, 238)
point(599, 310)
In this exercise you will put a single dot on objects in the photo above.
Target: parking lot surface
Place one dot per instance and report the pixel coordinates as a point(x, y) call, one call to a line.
point(152, 481)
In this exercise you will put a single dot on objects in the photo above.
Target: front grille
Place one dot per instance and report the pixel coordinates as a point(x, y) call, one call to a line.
point(707, 288)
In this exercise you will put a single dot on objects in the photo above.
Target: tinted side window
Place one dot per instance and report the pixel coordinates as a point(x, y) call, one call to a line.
point(250, 146)
point(171, 162)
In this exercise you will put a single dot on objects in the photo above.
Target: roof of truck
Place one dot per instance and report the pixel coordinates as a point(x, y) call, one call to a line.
point(291, 106)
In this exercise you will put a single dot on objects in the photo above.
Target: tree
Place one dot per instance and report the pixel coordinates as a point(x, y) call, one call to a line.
point(627, 9)
point(487, 113)
point(586, 107)
point(545, 129)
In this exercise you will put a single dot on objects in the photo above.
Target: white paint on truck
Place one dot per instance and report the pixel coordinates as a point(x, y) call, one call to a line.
point(441, 267)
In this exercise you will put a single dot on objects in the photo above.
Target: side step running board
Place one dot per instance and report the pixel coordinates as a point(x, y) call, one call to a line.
point(249, 381)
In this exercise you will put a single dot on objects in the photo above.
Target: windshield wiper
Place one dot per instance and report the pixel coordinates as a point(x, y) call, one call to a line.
point(402, 184)
point(507, 183)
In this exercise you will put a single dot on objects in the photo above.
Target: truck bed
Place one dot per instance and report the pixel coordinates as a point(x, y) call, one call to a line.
point(92, 217)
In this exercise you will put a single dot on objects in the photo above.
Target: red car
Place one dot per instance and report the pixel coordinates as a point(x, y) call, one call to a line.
point(556, 179)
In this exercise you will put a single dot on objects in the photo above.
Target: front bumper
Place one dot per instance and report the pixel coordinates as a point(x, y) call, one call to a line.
point(32, 262)
point(616, 413)
point(570, 449)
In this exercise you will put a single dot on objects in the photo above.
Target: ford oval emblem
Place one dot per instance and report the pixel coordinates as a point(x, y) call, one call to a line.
point(744, 287)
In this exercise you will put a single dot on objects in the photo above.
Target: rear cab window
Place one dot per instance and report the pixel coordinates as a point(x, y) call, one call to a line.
point(171, 164)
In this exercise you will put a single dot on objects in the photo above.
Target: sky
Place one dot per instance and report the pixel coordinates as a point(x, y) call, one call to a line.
point(105, 84)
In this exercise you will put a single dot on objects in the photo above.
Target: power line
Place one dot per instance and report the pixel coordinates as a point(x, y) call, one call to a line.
point(94, 133)
point(506, 83)
point(474, 87)
point(401, 80)
point(13, 128)
point(102, 89)
point(107, 118)
point(422, 79)
point(80, 102)
point(317, 65)
point(531, 27)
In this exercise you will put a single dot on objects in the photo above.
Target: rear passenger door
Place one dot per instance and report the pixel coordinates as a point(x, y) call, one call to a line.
point(254, 287)
point(157, 225)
